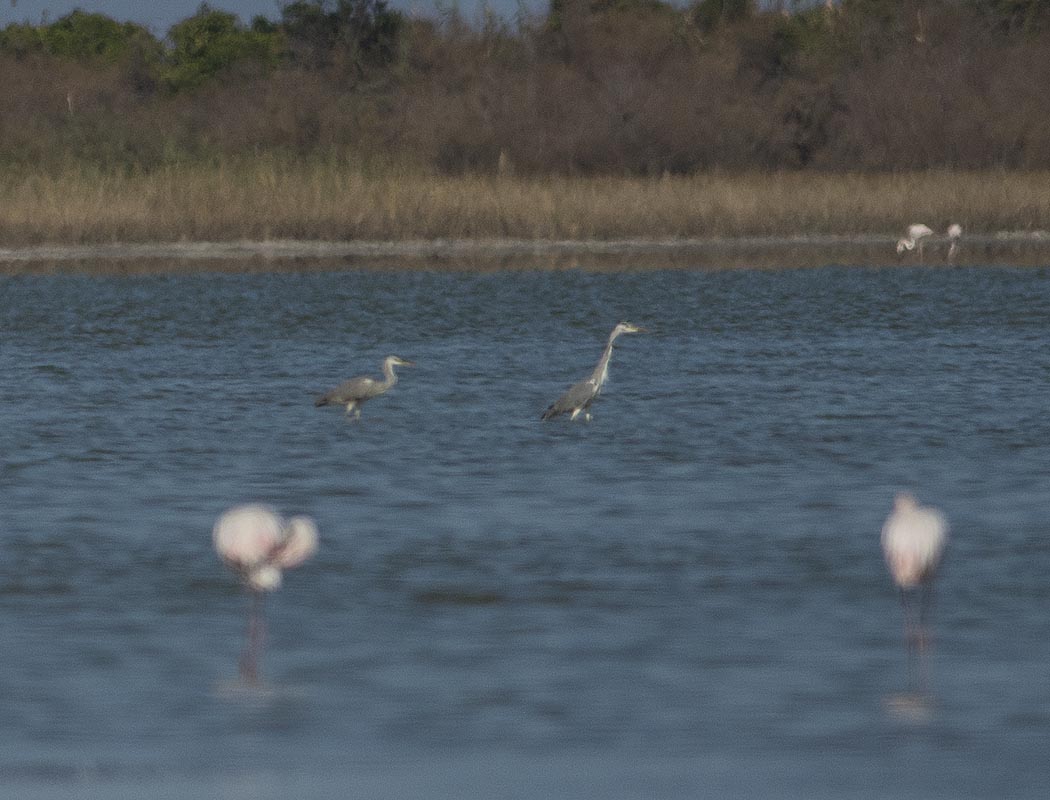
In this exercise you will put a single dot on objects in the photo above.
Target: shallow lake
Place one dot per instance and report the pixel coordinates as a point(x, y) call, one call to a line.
point(683, 597)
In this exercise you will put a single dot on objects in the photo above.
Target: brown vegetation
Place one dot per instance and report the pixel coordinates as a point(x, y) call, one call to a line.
point(594, 87)
point(600, 119)
point(266, 199)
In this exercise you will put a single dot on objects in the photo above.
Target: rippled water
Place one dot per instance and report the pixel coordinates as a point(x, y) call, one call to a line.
point(684, 597)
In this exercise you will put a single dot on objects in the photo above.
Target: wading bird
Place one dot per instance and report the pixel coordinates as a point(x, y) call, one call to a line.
point(580, 395)
point(913, 540)
point(354, 392)
point(954, 235)
point(257, 544)
point(916, 234)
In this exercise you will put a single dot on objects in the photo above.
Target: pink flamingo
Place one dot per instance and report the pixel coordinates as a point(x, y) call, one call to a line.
point(916, 234)
point(954, 235)
point(913, 540)
point(256, 543)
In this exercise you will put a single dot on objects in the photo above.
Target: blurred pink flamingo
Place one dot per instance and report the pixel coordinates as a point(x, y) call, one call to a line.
point(256, 543)
point(913, 540)
point(954, 235)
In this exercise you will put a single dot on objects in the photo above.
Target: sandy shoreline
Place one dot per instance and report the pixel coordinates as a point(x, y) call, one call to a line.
point(1008, 248)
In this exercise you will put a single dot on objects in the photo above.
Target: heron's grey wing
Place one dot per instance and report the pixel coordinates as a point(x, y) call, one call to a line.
point(579, 395)
point(353, 389)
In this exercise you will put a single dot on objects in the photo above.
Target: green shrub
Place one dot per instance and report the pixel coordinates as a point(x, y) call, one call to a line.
point(212, 42)
point(80, 36)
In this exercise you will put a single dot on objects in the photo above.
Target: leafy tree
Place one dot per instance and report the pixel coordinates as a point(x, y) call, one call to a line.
point(212, 42)
point(711, 14)
point(21, 40)
point(1015, 15)
point(362, 32)
point(84, 37)
point(311, 32)
point(569, 12)
point(80, 36)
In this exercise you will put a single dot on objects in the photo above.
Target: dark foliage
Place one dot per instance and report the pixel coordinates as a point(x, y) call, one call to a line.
point(355, 33)
point(594, 87)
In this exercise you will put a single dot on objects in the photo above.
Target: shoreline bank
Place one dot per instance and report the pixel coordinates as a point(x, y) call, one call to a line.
point(1006, 248)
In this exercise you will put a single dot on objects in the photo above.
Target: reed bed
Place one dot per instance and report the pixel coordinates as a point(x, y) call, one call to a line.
point(270, 199)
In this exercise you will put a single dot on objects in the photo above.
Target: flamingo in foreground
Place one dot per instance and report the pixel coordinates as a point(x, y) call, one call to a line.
point(256, 543)
point(913, 540)
point(354, 392)
point(579, 396)
point(916, 234)
point(954, 235)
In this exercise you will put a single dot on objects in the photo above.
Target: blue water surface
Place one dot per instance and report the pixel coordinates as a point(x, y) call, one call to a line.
point(683, 597)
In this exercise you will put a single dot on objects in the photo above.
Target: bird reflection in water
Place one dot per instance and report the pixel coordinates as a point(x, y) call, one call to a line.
point(256, 543)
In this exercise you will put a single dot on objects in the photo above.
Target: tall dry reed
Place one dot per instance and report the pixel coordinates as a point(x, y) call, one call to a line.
point(273, 199)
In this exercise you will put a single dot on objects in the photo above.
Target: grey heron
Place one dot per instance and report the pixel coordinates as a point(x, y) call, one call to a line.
point(256, 543)
point(913, 539)
point(915, 235)
point(580, 395)
point(354, 392)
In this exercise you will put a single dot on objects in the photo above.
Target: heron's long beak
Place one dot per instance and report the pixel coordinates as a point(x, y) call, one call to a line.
point(404, 363)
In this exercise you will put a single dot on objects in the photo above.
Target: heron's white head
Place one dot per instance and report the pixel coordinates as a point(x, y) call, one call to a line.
point(396, 361)
point(627, 327)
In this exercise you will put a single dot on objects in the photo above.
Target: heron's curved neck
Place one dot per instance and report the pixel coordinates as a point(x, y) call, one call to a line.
point(601, 370)
point(389, 374)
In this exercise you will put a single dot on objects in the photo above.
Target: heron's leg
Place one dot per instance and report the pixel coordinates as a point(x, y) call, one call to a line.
point(587, 416)
point(575, 413)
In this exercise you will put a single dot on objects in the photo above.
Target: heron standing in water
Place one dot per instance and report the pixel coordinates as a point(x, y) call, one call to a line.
point(913, 540)
point(917, 233)
point(580, 395)
point(254, 542)
point(354, 392)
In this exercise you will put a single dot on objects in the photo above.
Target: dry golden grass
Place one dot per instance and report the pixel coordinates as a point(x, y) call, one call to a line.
point(269, 199)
